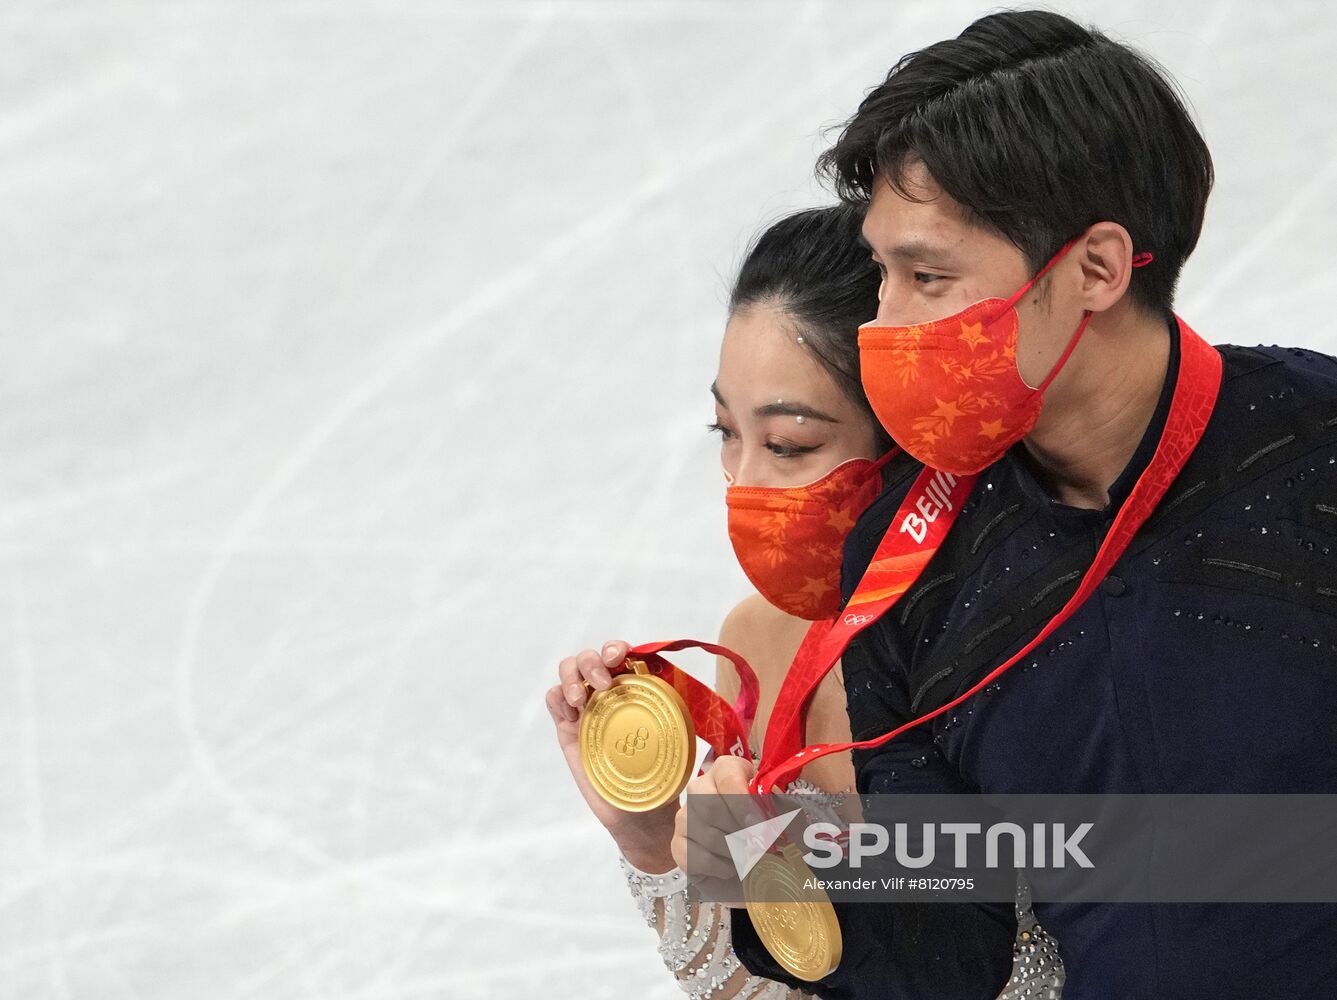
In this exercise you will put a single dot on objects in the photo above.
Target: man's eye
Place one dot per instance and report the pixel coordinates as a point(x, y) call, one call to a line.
point(924, 278)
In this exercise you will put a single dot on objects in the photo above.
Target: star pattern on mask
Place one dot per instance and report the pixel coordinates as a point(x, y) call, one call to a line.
point(949, 410)
point(790, 546)
point(840, 520)
point(972, 334)
point(972, 396)
point(991, 429)
point(817, 588)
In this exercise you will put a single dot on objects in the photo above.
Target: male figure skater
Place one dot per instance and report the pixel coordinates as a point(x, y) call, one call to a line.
point(1206, 659)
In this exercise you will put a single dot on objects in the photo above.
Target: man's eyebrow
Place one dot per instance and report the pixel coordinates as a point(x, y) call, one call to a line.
point(915, 248)
point(911, 250)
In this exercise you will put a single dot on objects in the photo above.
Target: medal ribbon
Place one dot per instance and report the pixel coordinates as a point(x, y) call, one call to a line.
point(912, 539)
point(720, 724)
point(1195, 394)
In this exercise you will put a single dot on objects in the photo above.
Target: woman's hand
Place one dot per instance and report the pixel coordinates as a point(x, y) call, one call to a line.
point(643, 837)
point(727, 775)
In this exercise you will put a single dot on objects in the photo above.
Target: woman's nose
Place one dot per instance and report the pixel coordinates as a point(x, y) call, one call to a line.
point(751, 470)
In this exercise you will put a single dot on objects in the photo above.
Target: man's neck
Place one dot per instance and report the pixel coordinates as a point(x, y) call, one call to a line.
point(1098, 408)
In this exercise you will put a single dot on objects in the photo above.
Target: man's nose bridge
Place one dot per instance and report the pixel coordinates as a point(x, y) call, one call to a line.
point(887, 314)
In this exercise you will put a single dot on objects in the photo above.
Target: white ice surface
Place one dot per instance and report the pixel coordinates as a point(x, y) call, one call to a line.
point(353, 369)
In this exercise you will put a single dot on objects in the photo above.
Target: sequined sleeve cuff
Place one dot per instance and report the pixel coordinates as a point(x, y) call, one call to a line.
point(696, 940)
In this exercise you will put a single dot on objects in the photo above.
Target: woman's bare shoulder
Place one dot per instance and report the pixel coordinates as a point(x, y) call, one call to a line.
point(762, 634)
point(752, 614)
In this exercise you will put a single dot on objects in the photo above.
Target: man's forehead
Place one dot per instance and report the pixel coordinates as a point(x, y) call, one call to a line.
point(927, 217)
point(892, 228)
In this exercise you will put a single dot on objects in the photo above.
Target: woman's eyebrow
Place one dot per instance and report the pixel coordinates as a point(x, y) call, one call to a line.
point(779, 408)
point(785, 409)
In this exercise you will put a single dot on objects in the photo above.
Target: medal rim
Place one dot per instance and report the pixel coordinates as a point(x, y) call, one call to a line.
point(670, 699)
point(815, 912)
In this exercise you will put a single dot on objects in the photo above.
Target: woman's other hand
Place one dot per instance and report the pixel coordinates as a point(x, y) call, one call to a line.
point(730, 776)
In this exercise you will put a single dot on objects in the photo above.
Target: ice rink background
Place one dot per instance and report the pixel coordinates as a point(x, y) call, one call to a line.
point(355, 365)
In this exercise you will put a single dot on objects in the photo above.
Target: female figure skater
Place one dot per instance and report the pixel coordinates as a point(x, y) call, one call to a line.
point(790, 408)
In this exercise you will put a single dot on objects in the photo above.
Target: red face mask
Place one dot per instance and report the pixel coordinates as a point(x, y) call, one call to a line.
point(949, 391)
point(789, 539)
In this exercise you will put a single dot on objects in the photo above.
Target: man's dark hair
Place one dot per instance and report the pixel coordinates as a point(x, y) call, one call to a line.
point(812, 266)
point(1039, 128)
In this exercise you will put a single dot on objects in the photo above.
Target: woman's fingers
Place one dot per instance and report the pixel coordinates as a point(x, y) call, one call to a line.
point(568, 676)
point(558, 707)
point(678, 845)
point(732, 774)
point(733, 777)
point(712, 820)
point(702, 851)
point(589, 667)
point(614, 652)
point(592, 669)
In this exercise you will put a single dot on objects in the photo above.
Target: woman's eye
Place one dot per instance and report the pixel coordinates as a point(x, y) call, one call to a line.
point(724, 432)
point(788, 450)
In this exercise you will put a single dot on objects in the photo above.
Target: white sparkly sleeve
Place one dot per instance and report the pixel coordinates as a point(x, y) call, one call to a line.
point(696, 942)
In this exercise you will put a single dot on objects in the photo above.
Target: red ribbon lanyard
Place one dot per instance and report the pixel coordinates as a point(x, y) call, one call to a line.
point(915, 534)
point(782, 757)
point(720, 724)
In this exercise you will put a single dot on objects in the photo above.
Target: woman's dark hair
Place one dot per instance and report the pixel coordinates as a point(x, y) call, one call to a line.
point(1039, 128)
point(813, 266)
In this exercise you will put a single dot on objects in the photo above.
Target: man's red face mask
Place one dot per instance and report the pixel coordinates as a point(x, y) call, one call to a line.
point(949, 391)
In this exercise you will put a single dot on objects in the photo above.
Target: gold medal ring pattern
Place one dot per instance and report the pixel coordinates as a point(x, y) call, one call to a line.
point(797, 925)
point(637, 741)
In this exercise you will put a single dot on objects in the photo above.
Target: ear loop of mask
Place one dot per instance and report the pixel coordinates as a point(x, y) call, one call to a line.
point(1139, 260)
point(892, 453)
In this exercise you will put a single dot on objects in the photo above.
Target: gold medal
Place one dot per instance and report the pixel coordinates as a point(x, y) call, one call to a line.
point(637, 740)
point(796, 923)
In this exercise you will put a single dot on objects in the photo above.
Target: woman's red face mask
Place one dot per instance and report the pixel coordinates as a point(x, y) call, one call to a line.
point(789, 540)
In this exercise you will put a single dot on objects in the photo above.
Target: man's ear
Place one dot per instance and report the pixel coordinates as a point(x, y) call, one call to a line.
point(1104, 253)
